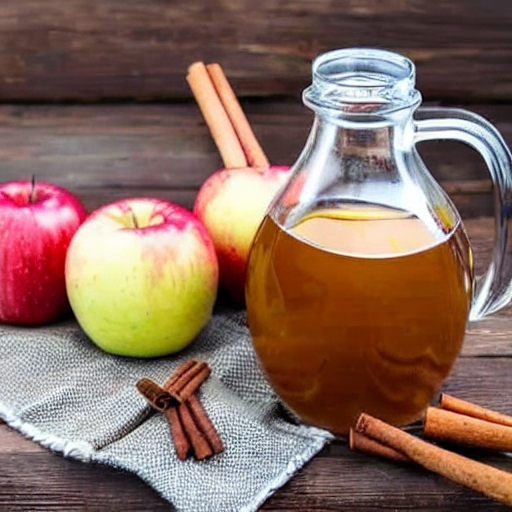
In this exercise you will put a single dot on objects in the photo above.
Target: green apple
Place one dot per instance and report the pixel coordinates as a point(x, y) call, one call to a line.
point(142, 277)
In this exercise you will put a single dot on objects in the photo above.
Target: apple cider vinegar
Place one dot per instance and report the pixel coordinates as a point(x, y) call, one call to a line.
point(358, 310)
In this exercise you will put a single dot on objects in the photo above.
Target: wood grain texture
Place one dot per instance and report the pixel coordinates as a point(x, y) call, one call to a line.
point(37, 480)
point(123, 49)
point(107, 152)
point(34, 479)
point(27, 483)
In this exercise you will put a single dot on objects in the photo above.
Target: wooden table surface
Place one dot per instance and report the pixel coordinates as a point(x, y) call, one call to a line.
point(123, 56)
point(34, 479)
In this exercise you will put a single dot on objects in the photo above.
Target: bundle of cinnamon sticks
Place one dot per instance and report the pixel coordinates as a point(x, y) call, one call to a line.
point(223, 114)
point(453, 420)
point(191, 429)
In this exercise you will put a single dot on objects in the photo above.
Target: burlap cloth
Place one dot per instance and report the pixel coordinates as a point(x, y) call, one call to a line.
point(60, 390)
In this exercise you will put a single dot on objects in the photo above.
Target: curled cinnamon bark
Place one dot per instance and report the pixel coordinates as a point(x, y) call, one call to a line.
point(156, 395)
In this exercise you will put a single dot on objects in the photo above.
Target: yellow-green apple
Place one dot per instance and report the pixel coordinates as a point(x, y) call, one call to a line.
point(37, 222)
point(142, 277)
point(231, 203)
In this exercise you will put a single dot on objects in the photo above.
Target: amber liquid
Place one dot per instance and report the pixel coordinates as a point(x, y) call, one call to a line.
point(350, 315)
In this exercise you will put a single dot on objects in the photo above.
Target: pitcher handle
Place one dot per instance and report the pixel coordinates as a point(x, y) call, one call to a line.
point(493, 289)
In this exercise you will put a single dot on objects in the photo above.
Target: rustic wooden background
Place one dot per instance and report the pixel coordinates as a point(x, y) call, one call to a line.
point(93, 95)
point(124, 49)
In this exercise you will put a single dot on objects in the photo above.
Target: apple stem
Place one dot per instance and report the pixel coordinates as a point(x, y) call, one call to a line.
point(134, 218)
point(32, 197)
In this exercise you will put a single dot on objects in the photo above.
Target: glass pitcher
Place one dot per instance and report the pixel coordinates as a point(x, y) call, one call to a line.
point(360, 280)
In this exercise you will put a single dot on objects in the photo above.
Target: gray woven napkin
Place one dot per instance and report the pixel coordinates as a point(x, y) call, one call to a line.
point(62, 391)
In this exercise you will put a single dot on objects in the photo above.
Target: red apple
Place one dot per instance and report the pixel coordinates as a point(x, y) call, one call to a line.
point(231, 203)
point(142, 277)
point(37, 222)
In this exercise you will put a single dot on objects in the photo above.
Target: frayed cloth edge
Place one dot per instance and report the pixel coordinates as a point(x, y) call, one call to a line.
point(80, 450)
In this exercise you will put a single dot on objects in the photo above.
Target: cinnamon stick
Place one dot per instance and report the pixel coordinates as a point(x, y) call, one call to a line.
point(215, 116)
point(182, 369)
point(180, 440)
point(205, 425)
point(251, 147)
point(200, 445)
point(451, 403)
point(187, 379)
point(159, 398)
point(224, 116)
point(191, 429)
point(359, 442)
point(492, 482)
point(451, 426)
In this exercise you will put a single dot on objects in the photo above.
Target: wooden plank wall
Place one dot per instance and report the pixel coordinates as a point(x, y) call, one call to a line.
point(95, 49)
point(93, 96)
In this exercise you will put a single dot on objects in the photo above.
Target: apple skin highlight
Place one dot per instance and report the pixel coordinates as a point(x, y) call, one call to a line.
point(37, 222)
point(144, 289)
point(231, 203)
